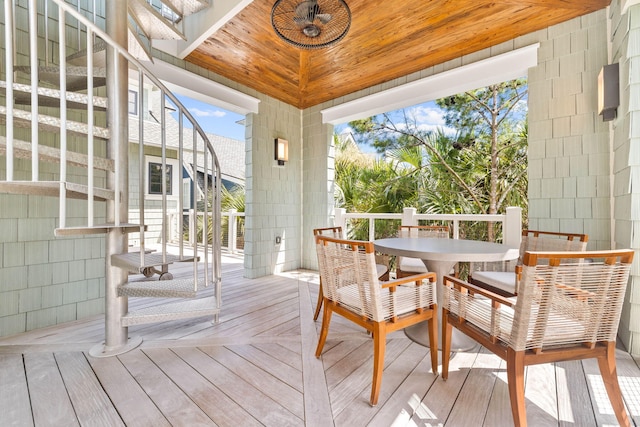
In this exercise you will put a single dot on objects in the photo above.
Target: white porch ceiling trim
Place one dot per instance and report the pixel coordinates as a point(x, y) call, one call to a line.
point(627, 4)
point(499, 68)
point(186, 83)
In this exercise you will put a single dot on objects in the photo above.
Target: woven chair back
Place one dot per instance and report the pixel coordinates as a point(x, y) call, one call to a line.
point(548, 241)
point(569, 298)
point(335, 232)
point(350, 279)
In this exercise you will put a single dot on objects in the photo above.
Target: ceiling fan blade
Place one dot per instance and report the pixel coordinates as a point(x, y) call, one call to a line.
point(300, 20)
point(324, 17)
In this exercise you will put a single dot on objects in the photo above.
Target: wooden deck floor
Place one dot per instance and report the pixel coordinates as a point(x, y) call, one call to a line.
point(257, 367)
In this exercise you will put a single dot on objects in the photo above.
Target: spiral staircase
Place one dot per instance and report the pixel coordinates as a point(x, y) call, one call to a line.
point(67, 134)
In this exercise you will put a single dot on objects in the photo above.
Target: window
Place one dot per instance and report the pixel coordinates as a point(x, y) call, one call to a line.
point(155, 178)
point(133, 102)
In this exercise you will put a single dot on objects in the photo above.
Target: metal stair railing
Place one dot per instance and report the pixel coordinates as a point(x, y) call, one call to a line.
point(208, 164)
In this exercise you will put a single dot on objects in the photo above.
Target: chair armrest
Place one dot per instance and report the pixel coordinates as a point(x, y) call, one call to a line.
point(462, 286)
point(416, 278)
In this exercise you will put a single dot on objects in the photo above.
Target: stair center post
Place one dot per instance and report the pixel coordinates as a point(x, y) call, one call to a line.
point(117, 340)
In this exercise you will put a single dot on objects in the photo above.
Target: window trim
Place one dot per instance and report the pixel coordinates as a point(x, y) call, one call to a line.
point(135, 93)
point(176, 178)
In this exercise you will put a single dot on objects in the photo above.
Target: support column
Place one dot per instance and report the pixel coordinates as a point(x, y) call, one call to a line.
point(117, 340)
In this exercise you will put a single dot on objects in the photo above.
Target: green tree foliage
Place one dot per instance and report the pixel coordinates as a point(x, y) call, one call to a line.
point(232, 198)
point(365, 184)
point(494, 125)
point(479, 169)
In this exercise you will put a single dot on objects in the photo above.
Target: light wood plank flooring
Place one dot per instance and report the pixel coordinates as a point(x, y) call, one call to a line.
point(257, 367)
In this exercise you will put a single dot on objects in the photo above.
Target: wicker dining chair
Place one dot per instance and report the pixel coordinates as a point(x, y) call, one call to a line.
point(382, 262)
point(406, 266)
point(503, 278)
point(352, 290)
point(568, 308)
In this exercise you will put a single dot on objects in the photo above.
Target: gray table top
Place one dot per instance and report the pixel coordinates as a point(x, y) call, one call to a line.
point(435, 249)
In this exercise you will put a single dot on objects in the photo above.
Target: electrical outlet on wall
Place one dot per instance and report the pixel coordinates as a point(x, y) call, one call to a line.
point(278, 240)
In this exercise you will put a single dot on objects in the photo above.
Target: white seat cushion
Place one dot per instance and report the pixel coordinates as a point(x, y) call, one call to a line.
point(381, 269)
point(413, 265)
point(505, 280)
point(404, 300)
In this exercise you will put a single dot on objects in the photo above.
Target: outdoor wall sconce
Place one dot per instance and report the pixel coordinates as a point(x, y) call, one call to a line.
point(281, 151)
point(608, 92)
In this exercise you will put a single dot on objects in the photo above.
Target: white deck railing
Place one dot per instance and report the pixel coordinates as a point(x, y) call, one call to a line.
point(511, 221)
point(511, 224)
point(231, 235)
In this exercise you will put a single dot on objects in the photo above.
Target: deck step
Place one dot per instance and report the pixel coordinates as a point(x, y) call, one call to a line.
point(98, 229)
point(79, 58)
point(152, 22)
point(173, 311)
point(130, 261)
point(22, 150)
point(52, 189)
point(76, 76)
point(175, 288)
point(22, 119)
point(137, 47)
point(48, 97)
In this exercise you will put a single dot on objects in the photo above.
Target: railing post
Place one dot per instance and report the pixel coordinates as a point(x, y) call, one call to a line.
point(409, 216)
point(512, 227)
point(372, 229)
point(232, 230)
point(339, 219)
point(8, 62)
point(193, 223)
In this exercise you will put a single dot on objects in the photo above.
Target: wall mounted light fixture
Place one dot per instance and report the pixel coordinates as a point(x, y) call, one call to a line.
point(608, 92)
point(281, 151)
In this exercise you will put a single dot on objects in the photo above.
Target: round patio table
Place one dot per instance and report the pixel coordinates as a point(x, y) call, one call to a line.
point(440, 256)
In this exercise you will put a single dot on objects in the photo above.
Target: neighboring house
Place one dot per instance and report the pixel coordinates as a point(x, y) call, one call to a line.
point(230, 153)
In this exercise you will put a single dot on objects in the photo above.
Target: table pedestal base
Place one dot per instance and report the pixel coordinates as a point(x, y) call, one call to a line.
point(420, 334)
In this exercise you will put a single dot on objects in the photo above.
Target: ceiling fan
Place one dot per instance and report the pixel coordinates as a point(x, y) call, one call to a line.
point(307, 12)
point(311, 24)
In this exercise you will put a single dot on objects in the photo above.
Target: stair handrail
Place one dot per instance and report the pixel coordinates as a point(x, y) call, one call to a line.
point(197, 131)
point(148, 73)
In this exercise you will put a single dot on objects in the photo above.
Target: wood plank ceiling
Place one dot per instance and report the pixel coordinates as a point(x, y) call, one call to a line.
point(387, 39)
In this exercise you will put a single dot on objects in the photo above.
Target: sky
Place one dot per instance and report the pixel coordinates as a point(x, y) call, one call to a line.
point(427, 115)
point(215, 120)
point(218, 121)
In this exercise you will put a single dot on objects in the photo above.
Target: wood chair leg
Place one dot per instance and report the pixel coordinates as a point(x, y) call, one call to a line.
point(319, 303)
point(515, 380)
point(433, 339)
point(379, 343)
point(446, 343)
point(607, 365)
point(326, 319)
